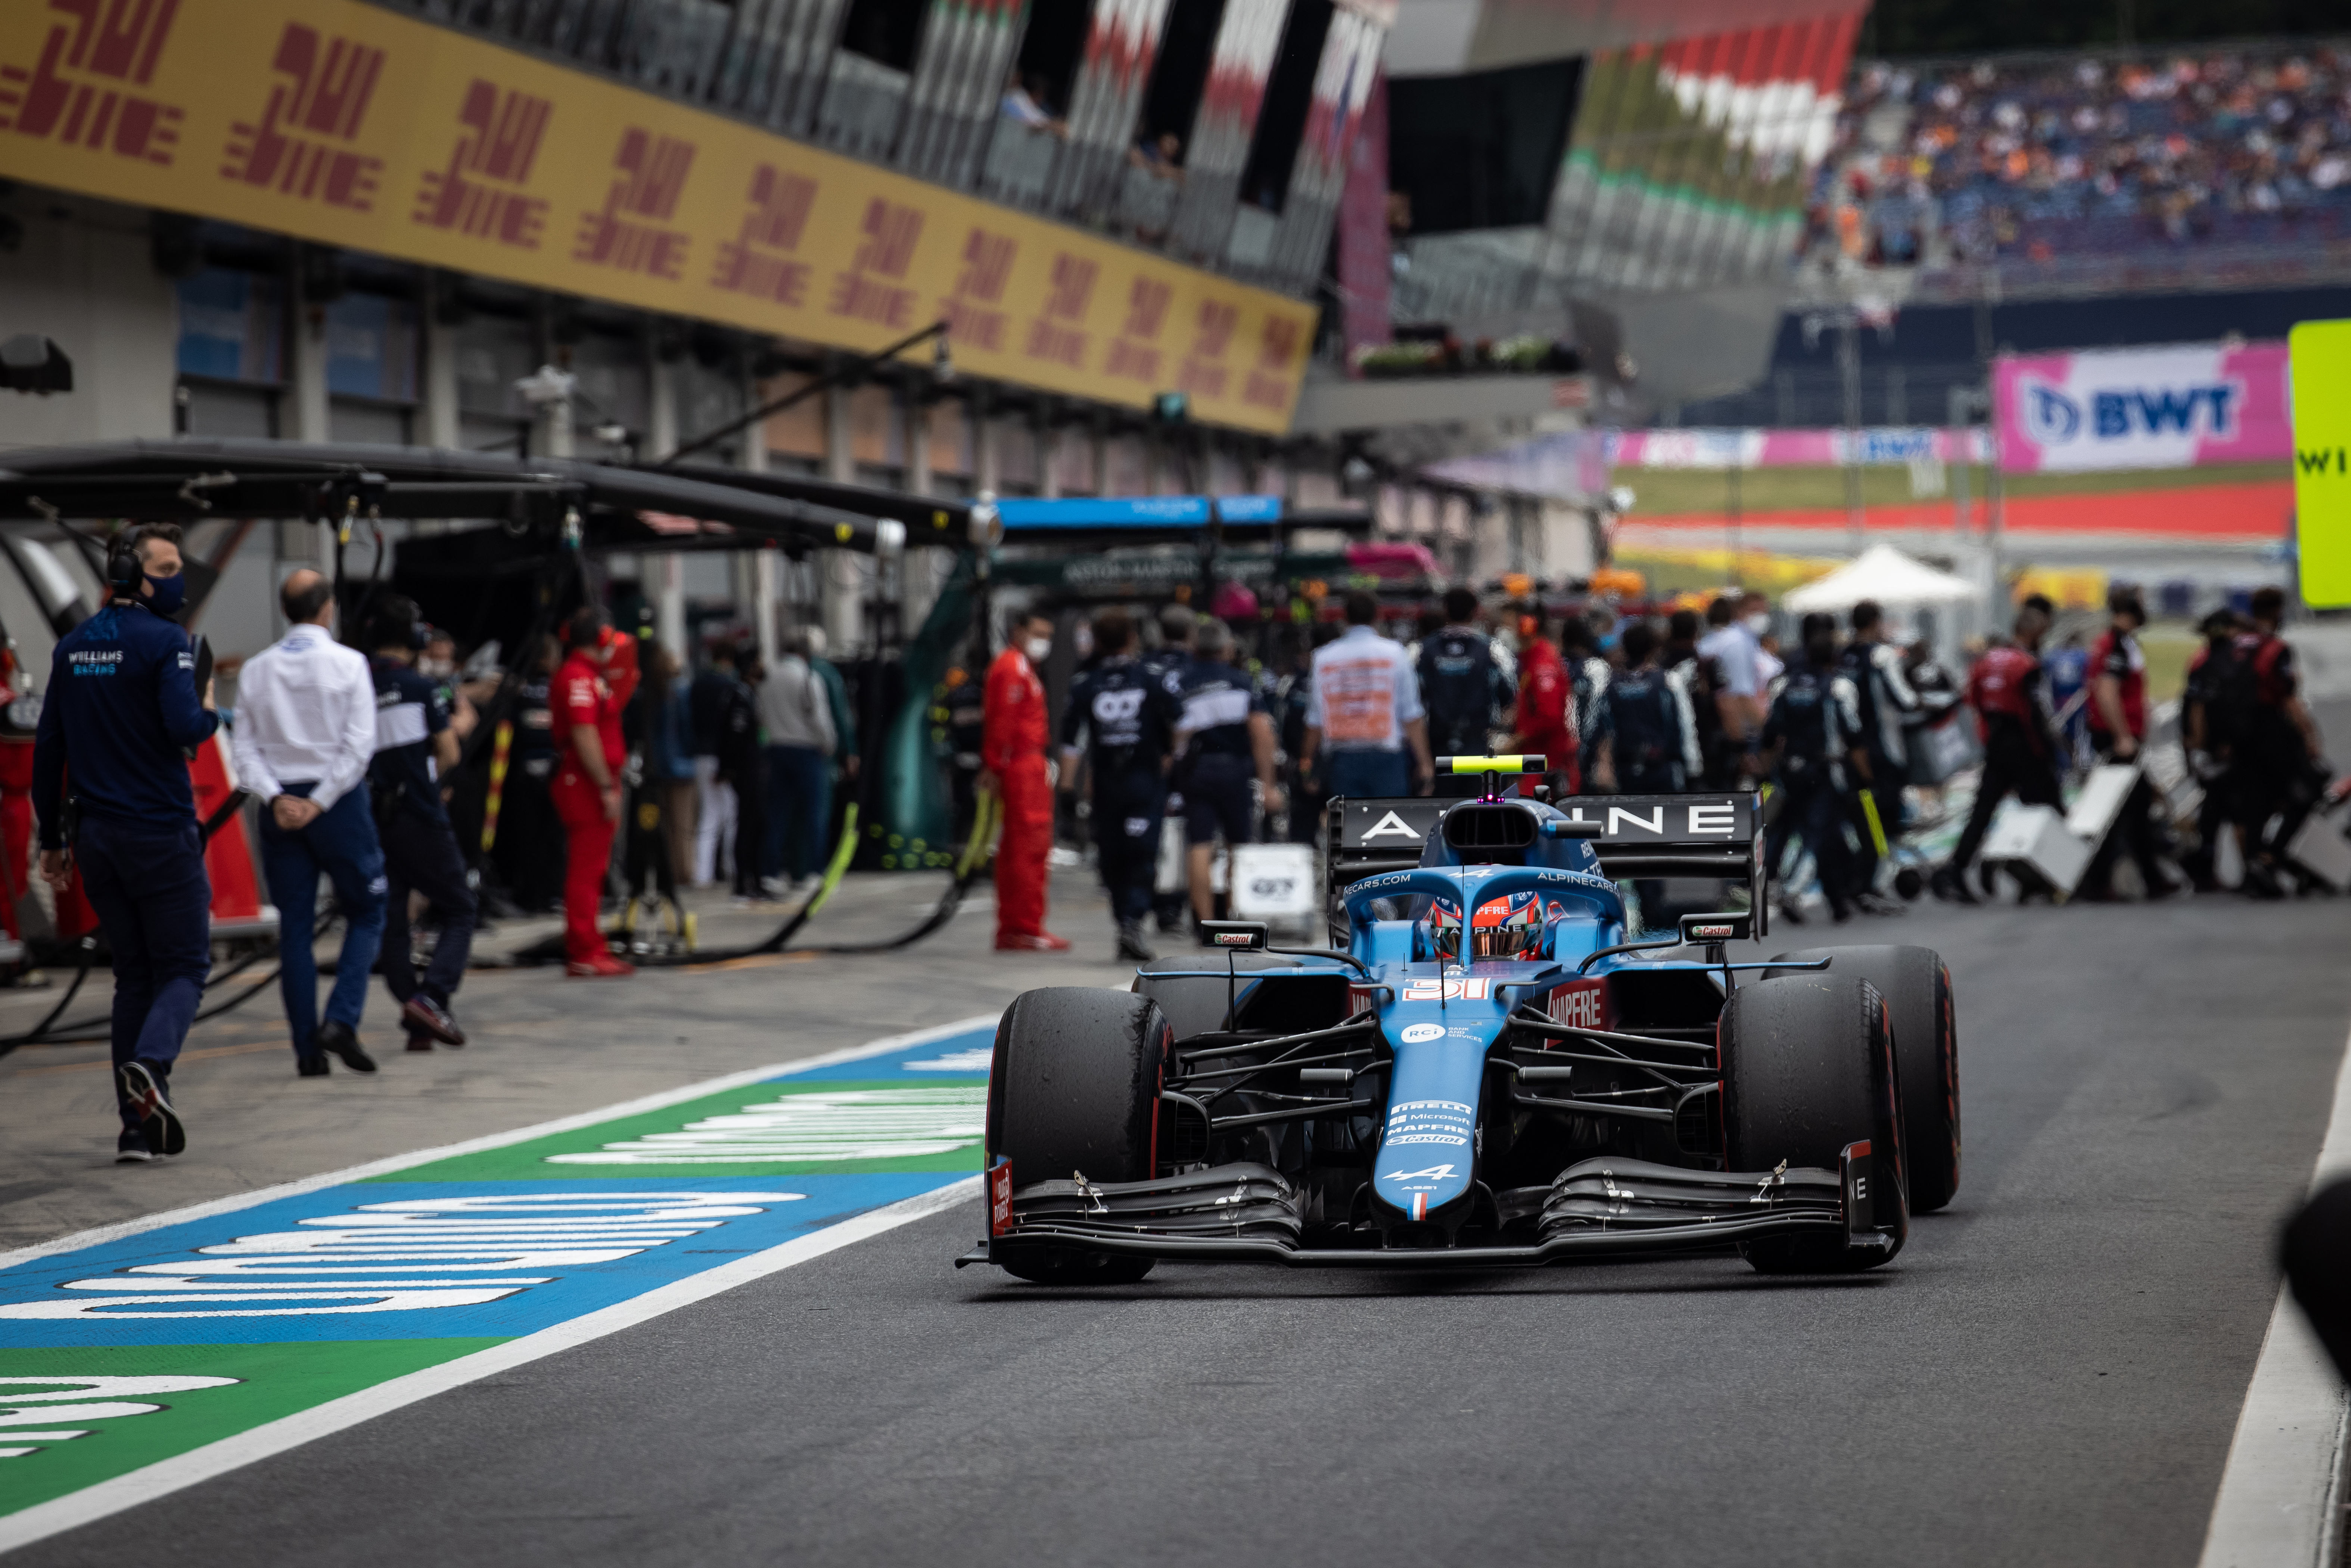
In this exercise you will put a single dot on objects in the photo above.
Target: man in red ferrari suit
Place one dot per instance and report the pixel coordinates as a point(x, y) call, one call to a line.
point(1012, 757)
point(591, 689)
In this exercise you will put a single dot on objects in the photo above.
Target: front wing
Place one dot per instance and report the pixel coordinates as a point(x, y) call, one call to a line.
point(1604, 1207)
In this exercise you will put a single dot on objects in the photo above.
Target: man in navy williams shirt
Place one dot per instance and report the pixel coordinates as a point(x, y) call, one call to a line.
point(121, 708)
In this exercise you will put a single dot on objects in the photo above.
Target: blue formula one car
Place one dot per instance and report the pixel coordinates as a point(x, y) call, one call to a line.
point(1493, 1070)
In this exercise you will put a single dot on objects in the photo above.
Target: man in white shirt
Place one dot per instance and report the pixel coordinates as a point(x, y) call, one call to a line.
point(1736, 649)
point(796, 715)
point(1364, 710)
point(305, 732)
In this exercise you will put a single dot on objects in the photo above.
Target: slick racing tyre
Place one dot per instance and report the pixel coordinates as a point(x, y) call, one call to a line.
point(1808, 1069)
point(1074, 1088)
point(1916, 985)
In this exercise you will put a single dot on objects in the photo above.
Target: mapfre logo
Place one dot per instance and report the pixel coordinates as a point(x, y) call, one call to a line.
point(1580, 1005)
point(80, 92)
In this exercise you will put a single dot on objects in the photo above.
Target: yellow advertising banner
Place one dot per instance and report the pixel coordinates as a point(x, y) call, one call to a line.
point(2319, 368)
point(345, 124)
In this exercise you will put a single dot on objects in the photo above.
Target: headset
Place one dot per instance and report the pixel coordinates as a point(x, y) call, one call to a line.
point(123, 572)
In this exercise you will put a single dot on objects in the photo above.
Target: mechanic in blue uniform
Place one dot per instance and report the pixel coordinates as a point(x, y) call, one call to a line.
point(123, 708)
point(415, 748)
point(1464, 684)
point(1874, 667)
point(1128, 717)
point(1222, 735)
point(1166, 664)
point(1647, 742)
point(1813, 734)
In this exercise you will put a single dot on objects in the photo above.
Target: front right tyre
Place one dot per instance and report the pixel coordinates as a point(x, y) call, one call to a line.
point(1073, 1089)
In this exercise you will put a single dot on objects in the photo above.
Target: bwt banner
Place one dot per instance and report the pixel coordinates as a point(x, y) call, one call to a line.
point(349, 124)
point(2143, 408)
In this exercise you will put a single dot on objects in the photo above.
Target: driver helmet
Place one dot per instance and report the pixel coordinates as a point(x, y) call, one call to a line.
point(1506, 928)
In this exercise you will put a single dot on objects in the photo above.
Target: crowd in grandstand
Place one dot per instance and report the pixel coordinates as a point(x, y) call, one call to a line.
point(2031, 156)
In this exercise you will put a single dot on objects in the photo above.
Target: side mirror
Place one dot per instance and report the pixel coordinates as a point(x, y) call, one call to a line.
point(1734, 927)
point(1562, 828)
point(1236, 936)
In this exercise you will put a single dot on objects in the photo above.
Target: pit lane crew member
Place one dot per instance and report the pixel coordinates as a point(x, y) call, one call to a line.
point(1735, 644)
point(416, 748)
point(1128, 718)
point(121, 705)
point(2202, 735)
point(304, 736)
point(1544, 725)
point(2116, 674)
point(2278, 769)
point(1012, 766)
point(591, 690)
point(1813, 734)
point(1874, 667)
point(2011, 698)
point(1221, 733)
point(1364, 712)
point(1648, 740)
point(1166, 664)
point(1465, 682)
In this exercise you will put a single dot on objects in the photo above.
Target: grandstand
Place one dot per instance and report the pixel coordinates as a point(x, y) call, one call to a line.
point(2193, 167)
point(2042, 201)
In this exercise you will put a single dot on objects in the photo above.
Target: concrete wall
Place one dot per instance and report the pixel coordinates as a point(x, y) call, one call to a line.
point(86, 281)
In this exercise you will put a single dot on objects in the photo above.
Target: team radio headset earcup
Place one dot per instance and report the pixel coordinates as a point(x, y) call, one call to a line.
point(123, 572)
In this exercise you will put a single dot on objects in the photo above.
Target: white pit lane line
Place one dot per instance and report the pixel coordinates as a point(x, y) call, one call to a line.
point(133, 1488)
point(2282, 1495)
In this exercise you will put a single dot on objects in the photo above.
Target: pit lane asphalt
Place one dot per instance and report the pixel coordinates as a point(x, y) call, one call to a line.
point(2049, 1373)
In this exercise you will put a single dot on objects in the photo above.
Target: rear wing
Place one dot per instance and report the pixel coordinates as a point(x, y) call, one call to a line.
point(1640, 836)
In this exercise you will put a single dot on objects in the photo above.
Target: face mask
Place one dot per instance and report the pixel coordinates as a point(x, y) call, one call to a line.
point(1759, 624)
point(168, 594)
point(1039, 649)
point(436, 668)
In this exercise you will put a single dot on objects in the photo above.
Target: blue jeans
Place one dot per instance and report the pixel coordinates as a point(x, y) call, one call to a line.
point(800, 806)
point(342, 843)
point(1362, 773)
point(154, 903)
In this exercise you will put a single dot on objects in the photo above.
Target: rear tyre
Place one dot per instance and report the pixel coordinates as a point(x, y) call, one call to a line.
point(1916, 985)
point(1808, 1067)
point(1074, 1089)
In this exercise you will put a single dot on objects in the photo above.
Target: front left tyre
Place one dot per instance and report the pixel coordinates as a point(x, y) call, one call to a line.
point(1073, 1089)
point(1808, 1071)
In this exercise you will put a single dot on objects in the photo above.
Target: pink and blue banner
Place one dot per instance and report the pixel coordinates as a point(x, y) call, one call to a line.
point(1733, 448)
point(2180, 407)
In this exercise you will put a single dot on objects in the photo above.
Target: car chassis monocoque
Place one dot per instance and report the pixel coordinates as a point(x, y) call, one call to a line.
point(1394, 1105)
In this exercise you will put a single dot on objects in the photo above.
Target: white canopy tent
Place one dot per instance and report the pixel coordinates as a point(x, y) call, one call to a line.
point(1903, 587)
point(1884, 574)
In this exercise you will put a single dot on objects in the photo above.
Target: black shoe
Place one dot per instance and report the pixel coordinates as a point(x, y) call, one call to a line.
point(338, 1039)
point(142, 1089)
point(420, 1042)
point(313, 1066)
point(131, 1149)
point(422, 1015)
point(1878, 903)
point(1131, 944)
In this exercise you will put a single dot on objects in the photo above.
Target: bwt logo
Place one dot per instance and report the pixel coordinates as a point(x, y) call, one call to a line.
point(2053, 418)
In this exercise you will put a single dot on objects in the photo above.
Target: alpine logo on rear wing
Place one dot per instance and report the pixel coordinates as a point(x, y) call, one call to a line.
point(1657, 822)
point(1392, 828)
